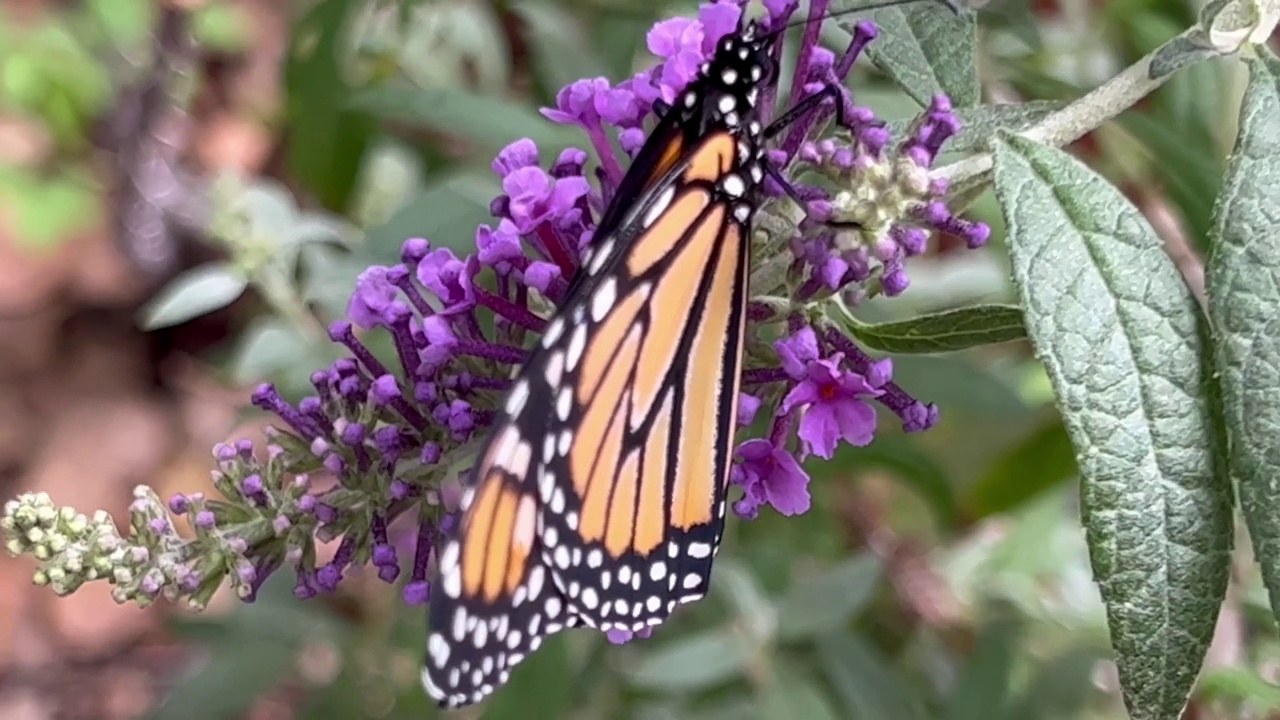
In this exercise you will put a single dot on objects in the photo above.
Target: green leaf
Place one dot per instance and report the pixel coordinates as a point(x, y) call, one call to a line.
point(196, 292)
point(45, 210)
point(1243, 685)
point(940, 332)
point(1188, 167)
point(326, 139)
point(926, 49)
point(244, 654)
point(541, 687)
point(1060, 687)
point(1016, 17)
point(562, 52)
point(275, 349)
point(1038, 463)
point(1121, 338)
point(982, 689)
point(790, 694)
point(863, 678)
point(446, 211)
point(828, 600)
point(488, 121)
point(1180, 52)
point(978, 125)
point(1243, 287)
point(908, 463)
point(961, 386)
point(693, 662)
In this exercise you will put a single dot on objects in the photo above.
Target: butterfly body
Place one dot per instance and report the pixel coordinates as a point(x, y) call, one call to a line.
point(598, 498)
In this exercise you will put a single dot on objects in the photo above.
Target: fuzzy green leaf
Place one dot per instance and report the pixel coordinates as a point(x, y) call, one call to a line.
point(944, 331)
point(1037, 463)
point(1121, 338)
point(926, 49)
point(488, 121)
point(1243, 287)
point(826, 601)
point(978, 125)
point(693, 662)
point(196, 292)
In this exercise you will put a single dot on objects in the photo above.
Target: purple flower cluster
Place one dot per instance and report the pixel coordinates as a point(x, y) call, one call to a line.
point(384, 433)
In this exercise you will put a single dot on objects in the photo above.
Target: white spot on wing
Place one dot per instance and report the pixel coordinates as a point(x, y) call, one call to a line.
point(564, 403)
point(598, 257)
point(518, 396)
point(659, 206)
point(553, 333)
point(577, 344)
point(733, 185)
point(555, 369)
point(602, 301)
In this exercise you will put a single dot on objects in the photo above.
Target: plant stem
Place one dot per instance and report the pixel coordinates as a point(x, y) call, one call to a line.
point(1074, 121)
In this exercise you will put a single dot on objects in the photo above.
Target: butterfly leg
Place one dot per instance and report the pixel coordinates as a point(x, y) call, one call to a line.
point(799, 110)
point(807, 106)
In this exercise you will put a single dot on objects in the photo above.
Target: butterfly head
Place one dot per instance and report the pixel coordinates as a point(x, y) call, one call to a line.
point(731, 80)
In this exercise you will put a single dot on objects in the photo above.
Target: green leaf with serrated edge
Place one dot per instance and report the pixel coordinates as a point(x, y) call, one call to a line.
point(1242, 283)
point(693, 662)
point(978, 125)
point(1121, 338)
point(828, 599)
point(864, 680)
point(1038, 463)
point(940, 332)
point(926, 49)
point(490, 122)
point(196, 292)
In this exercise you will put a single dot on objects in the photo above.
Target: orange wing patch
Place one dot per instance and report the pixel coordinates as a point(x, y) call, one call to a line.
point(476, 532)
point(678, 290)
point(670, 156)
point(498, 527)
point(659, 240)
point(714, 158)
point(595, 508)
point(503, 521)
point(587, 442)
point(695, 487)
point(607, 339)
point(622, 508)
point(651, 515)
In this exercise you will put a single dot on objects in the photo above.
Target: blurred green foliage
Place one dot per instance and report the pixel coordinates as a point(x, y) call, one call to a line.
point(970, 598)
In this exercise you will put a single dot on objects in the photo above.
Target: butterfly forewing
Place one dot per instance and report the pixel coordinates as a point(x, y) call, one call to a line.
point(598, 498)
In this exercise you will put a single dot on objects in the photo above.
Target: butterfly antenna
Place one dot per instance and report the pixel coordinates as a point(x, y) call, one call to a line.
point(952, 5)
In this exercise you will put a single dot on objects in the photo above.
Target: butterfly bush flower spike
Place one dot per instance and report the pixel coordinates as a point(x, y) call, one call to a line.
point(372, 453)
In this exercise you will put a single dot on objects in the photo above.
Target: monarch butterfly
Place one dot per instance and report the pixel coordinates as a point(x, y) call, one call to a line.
point(598, 498)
